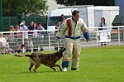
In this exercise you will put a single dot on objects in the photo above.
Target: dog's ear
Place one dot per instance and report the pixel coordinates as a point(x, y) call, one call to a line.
point(62, 50)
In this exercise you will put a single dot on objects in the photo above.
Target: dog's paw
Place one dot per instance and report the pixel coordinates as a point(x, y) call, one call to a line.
point(34, 71)
point(60, 69)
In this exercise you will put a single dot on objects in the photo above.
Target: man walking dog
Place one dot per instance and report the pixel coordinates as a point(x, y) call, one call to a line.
point(72, 28)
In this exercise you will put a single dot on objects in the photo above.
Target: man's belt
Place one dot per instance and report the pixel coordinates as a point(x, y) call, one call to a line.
point(74, 38)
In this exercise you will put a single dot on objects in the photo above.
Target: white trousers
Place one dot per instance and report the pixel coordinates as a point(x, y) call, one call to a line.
point(73, 48)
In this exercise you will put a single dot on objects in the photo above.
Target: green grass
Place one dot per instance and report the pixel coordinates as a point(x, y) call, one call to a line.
point(102, 64)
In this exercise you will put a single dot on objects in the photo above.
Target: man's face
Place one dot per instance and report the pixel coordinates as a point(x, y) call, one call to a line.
point(76, 17)
point(22, 25)
point(62, 16)
point(31, 23)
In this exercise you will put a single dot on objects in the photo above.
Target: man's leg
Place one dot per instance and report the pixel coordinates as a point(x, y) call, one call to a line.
point(76, 54)
point(66, 56)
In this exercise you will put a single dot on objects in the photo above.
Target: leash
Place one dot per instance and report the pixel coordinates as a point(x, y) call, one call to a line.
point(58, 44)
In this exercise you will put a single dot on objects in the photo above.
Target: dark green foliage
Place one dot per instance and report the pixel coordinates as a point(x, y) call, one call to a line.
point(14, 7)
point(86, 2)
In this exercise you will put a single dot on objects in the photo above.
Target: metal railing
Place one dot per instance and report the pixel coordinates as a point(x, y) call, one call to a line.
point(46, 40)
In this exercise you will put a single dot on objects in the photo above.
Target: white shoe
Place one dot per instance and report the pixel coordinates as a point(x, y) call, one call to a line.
point(64, 69)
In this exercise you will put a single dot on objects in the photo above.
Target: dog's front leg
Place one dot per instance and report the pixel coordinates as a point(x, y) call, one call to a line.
point(31, 65)
point(53, 68)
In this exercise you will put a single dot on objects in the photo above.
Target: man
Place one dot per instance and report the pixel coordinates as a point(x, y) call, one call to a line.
point(41, 31)
point(24, 28)
point(31, 27)
point(72, 28)
point(62, 18)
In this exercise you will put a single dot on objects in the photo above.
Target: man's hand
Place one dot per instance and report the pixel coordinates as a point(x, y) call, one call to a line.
point(87, 36)
point(87, 40)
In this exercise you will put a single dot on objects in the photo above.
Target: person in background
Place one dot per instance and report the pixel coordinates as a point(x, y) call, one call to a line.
point(35, 36)
point(55, 33)
point(25, 30)
point(72, 28)
point(62, 18)
point(24, 23)
point(18, 33)
point(11, 37)
point(18, 37)
point(31, 28)
point(40, 29)
point(57, 27)
point(102, 24)
point(4, 44)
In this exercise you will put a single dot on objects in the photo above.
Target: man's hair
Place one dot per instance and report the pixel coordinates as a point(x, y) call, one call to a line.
point(75, 12)
point(62, 14)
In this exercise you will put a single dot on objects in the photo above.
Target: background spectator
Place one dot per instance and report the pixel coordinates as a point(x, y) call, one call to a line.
point(35, 36)
point(102, 24)
point(40, 34)
point(62, 18)
point(11, 37)
point(57, 27)
point(4, 44)
point(31, 28)
point(25, 31)
point(18, 33)
point(18, 37)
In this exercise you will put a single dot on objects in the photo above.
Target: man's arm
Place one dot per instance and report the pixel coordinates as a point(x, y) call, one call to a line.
point(27, 29)
point(85, 31)
point(62, 28)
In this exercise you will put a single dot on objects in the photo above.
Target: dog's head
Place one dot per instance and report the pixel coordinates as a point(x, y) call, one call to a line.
point(61, 51)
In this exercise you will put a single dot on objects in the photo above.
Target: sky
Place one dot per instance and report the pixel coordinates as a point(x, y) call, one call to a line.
point(52, 5)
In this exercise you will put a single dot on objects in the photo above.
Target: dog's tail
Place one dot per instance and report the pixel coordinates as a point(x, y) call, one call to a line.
point(28, 55)
point(22, 55)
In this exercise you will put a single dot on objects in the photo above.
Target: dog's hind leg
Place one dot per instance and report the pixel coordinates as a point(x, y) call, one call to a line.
point(31, 65)
point(36, 66)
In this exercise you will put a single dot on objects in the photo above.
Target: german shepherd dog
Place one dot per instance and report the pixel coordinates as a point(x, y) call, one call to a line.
point(46, 59)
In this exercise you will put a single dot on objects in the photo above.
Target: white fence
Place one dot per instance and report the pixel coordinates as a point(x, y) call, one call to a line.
point(47, 41)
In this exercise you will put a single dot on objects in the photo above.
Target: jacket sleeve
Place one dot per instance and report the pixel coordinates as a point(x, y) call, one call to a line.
point(84, 27)
point(62, 28)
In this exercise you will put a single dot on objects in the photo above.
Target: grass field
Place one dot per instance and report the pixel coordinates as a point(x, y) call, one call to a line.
point(102, 64)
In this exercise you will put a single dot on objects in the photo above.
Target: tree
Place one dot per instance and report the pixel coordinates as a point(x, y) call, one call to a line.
point(26, 7)
point(86, 2)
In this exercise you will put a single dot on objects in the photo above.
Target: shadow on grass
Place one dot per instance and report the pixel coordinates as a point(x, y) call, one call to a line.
point(39, 72)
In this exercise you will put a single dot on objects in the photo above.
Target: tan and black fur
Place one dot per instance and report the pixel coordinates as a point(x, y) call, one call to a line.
point(46, 59)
